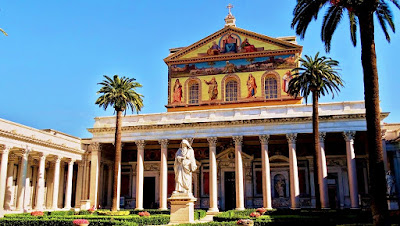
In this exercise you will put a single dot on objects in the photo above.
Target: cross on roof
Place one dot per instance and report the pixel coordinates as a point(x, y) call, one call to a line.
point(230, 6)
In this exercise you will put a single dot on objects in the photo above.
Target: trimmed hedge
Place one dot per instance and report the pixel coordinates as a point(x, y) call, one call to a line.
point(198, 214)
point(57, 222)
point(112, 213)
point(151, 211)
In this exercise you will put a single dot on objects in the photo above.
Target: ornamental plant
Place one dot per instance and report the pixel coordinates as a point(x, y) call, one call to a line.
point(37, 213)
point(244, 222)
point(261, 210)
point(80, 221)
point(144, 214)
point(255, 214)
point(92, 210)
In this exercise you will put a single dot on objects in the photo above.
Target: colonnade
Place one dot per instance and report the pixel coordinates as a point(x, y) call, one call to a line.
point(266, 178)
point(36, 162)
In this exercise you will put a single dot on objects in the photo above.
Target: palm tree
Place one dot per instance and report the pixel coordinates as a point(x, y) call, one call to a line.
point(317, 76)
point(360, 13)
point(4, 32)
point(119, 93)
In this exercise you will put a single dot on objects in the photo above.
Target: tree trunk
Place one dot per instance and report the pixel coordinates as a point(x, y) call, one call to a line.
point(117, 162)
point(371, 94)
point(315, 123)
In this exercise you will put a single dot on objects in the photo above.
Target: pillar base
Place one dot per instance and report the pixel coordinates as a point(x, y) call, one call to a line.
point(182, 208)
point(393, 204)
point(85, 204)
point(240, 208)
point(212, 211)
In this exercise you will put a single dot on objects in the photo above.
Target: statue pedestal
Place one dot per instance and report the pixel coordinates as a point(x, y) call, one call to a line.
point(182, 208)
point(393, 204)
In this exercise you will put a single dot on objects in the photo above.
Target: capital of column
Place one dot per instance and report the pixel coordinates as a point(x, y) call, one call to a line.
point(190, 139)
point(57, 159)
point(322, 136)
point(42, 156)
point(70, 161)
point(164, 142)
point(25, 151)
point(12, 157)
point(95, 146)
point(238, 140)
point(212, 141)
point(349, 135)
point(264, 139)
point(140, 143)
point(4, 148)
point(291, 138)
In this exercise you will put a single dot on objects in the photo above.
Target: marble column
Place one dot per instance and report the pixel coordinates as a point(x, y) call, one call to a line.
point(239, 176)
point(351, 168)
point(68, 192)
point(40, 182)
point(323, 172)
point(164, 174)
point(212, 143)
point(79, 184)
point(266, 172)
point(3, 173)
point(8, 199)
point(56, 182)
point(109, 188)
point(139, 173)
point(21, 178)
point(294, 172)
point(94, 173)
point(101, 185)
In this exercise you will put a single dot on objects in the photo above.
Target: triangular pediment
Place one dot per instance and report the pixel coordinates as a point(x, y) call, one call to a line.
point(229, 154)
point(232, 41)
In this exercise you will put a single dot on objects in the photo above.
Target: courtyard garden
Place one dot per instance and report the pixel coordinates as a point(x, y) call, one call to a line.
point(256, 217)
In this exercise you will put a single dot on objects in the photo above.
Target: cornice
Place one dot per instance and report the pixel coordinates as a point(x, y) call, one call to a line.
point(33, 140)
point(229, 123)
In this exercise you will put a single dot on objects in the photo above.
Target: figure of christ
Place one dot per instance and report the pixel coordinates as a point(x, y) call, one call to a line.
point(184, 166)
point(286, 78)
point(212, 88)
point(177, 95)
point(230, 44)
point(251, 86)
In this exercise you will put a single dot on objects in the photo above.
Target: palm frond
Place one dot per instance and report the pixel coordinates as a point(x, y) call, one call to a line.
point(353, 27)
point(396, 3)
point(304, 12)
point(329, 24)
point(385, 18)
point(4, 32)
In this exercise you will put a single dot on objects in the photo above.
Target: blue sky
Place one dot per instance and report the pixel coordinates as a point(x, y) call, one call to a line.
point(57, 52)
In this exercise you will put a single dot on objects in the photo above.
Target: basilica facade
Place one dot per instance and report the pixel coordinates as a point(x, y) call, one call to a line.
point(227, 95)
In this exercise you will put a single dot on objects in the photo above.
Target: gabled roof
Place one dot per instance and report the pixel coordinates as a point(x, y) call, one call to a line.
point(274, 46)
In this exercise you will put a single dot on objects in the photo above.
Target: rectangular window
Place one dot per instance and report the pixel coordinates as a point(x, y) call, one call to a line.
point(194, 93)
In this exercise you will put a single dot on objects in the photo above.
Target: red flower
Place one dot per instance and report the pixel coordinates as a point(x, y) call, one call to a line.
point(261, 210)
point(92, 210)
point(255, 214)
point(144, 214)
point(37, 213)
point(80, 221)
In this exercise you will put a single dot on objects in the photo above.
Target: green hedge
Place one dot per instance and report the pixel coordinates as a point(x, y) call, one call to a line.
point(57, 222)
point(198, 214)
point(151, 211)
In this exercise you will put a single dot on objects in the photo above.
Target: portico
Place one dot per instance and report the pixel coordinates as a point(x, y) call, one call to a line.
point(264, 143)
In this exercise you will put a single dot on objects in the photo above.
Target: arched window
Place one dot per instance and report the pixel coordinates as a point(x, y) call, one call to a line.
point(231, 91)
point(194, 93)
point(271, 88)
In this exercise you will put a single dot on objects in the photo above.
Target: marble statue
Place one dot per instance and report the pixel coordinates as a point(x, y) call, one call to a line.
point(184, 166)
point(390, 183)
